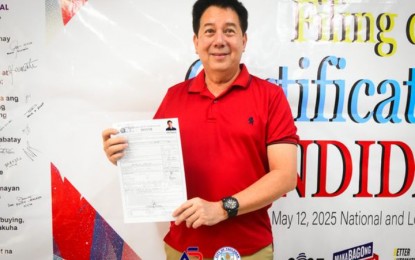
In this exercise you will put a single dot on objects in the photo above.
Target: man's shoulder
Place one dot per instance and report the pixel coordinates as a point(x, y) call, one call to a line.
point(184, 85)
point(264, 84)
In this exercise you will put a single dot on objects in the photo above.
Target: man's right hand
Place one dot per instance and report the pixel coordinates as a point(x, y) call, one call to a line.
point(113, 146)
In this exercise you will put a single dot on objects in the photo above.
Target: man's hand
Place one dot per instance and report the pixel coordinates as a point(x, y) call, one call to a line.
point(197, 212)
point(113, 146)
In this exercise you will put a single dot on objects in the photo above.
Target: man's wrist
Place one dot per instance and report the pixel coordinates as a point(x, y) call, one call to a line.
point(231, 206)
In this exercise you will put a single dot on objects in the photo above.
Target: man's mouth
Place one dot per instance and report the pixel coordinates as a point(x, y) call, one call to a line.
point(219, 54)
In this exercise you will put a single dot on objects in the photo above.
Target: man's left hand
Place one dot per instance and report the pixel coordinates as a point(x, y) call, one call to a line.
point(197, 212)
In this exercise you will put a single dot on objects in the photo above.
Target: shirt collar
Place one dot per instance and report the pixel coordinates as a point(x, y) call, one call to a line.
point(198, 84)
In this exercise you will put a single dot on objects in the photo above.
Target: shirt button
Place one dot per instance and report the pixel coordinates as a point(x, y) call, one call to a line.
point(215, 101)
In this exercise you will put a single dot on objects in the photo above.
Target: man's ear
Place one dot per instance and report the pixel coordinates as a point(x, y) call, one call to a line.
point(245, 40)
point(195, 42)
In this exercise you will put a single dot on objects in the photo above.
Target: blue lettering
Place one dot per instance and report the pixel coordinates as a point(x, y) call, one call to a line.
point(354, 102)
point(363, 95)
point(322, 82)
point(410, 104)
point(392, 102)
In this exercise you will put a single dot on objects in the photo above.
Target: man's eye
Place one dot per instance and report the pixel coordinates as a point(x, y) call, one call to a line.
point(229, 31)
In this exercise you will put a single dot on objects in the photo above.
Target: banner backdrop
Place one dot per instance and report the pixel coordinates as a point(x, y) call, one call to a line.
point(71, 68)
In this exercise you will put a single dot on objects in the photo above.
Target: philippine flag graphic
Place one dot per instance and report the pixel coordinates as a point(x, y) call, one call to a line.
point(79, 231)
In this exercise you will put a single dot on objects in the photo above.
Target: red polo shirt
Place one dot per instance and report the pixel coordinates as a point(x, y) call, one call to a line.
point(224, 143)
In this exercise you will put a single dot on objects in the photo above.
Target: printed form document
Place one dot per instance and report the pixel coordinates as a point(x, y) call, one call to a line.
point(152, 177)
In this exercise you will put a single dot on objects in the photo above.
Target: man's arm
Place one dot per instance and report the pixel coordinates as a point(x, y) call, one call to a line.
point(281, 179)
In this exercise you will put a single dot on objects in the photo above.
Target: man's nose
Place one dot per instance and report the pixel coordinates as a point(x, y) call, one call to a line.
point(219, 39)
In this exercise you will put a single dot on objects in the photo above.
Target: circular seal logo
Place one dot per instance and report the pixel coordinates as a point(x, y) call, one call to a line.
point(227, 253)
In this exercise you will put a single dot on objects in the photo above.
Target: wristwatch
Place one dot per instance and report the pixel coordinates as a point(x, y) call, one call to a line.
point(231, 205)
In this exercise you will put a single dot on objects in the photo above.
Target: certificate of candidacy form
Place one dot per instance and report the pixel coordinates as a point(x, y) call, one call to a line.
point(152, 177)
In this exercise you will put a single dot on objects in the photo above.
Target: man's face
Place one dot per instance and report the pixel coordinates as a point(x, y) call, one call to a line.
point(220, 41)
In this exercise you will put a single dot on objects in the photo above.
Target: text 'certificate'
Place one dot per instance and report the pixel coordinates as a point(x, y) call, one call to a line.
point(152, 174)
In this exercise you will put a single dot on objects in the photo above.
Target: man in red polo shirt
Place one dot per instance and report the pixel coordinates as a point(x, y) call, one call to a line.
point(238, 141)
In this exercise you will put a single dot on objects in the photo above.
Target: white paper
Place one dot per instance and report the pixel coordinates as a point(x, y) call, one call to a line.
point(152, 174)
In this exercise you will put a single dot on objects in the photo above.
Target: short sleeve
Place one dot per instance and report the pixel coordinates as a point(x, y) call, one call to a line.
point(281, 127)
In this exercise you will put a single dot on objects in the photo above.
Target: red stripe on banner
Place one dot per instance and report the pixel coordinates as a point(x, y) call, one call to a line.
point(73, 219)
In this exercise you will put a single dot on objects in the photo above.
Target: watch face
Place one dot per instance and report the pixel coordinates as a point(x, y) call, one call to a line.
point(231, 203)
